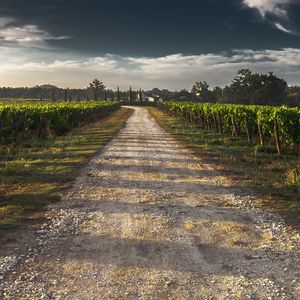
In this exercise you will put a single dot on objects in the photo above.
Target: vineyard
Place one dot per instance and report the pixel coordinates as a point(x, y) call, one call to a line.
point(278, 125)
point(30, 119)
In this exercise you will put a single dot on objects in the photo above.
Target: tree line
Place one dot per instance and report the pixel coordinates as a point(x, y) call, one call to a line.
point(245, 88)
point(96, 90)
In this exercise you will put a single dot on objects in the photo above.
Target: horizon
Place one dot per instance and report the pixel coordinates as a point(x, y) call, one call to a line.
point(146, 45)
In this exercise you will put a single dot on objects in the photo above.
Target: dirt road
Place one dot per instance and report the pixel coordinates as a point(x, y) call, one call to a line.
point(149, 220)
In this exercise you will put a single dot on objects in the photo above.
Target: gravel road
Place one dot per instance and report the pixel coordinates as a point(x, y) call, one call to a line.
point(148, 220)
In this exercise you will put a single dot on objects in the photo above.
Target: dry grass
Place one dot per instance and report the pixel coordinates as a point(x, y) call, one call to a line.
point(276, 179)
point(34, 173)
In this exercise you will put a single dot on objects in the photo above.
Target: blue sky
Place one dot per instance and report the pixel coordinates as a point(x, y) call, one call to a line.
point(165, 44)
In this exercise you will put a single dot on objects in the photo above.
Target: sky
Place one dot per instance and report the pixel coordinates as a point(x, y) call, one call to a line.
point(146, 44)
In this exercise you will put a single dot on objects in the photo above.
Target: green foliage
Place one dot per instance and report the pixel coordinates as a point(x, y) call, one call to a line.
point(253, 88)
point(96, 86)
point(241, 119)
point(42, 119)
point(201, 90)
point(130, 95)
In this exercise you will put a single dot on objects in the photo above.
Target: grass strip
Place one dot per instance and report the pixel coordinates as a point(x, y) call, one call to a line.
point(274, 178)
point(34, 173)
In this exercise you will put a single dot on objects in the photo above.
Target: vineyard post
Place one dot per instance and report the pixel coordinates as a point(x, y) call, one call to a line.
point(277, 136)
point(220, 123)
point(216, 123)
point(201, 120)
point(260, 132)
point(19, 124)
point(207, 122)
point(42, 131)
point(190, 117)
point(15, 126)
point(249, 136)
point(25, 116)
point(2, 123)
point(210, 123)
point(234, 127)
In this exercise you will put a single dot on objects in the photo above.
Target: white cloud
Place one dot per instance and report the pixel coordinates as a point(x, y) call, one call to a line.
point(28, 35)
point(277, 9)
point(282, 28)
point(21, 68)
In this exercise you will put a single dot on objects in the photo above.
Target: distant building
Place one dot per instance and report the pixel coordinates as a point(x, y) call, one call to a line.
point(152, 98)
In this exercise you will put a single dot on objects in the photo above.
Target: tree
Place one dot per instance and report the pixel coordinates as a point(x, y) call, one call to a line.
point(53, 96)
point(268, 89)
point(118, 94)
point(253, 88)
point(66, 94)
point(96, 86)
point(182, 95)
point(240, 88)
point(201, 90)
point(293, 96)
point(130, 95)
point(140, 95)
point(217, 94)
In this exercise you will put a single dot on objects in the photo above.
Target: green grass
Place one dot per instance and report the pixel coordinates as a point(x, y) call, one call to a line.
point(34, 173)
point(276, 179)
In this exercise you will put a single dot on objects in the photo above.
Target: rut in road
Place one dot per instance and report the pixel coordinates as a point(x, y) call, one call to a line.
point(156, 222)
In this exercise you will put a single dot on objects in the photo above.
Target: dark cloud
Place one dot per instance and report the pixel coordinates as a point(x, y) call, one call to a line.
point(151, 28)
point(167, 43)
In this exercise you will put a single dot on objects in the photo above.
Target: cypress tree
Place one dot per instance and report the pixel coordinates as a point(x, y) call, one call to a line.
point(118, 94)
point(130, 95)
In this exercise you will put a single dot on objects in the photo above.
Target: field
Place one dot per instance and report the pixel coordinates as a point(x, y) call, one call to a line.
point(39, 159)
point(276, 178)
point(259, 124)
point(44, 119)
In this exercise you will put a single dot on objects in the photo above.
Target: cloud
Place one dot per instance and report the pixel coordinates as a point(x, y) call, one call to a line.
point(282, 28)
point(175, 71)
point(28, 35)
point(275, 7)
point(274, 11)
